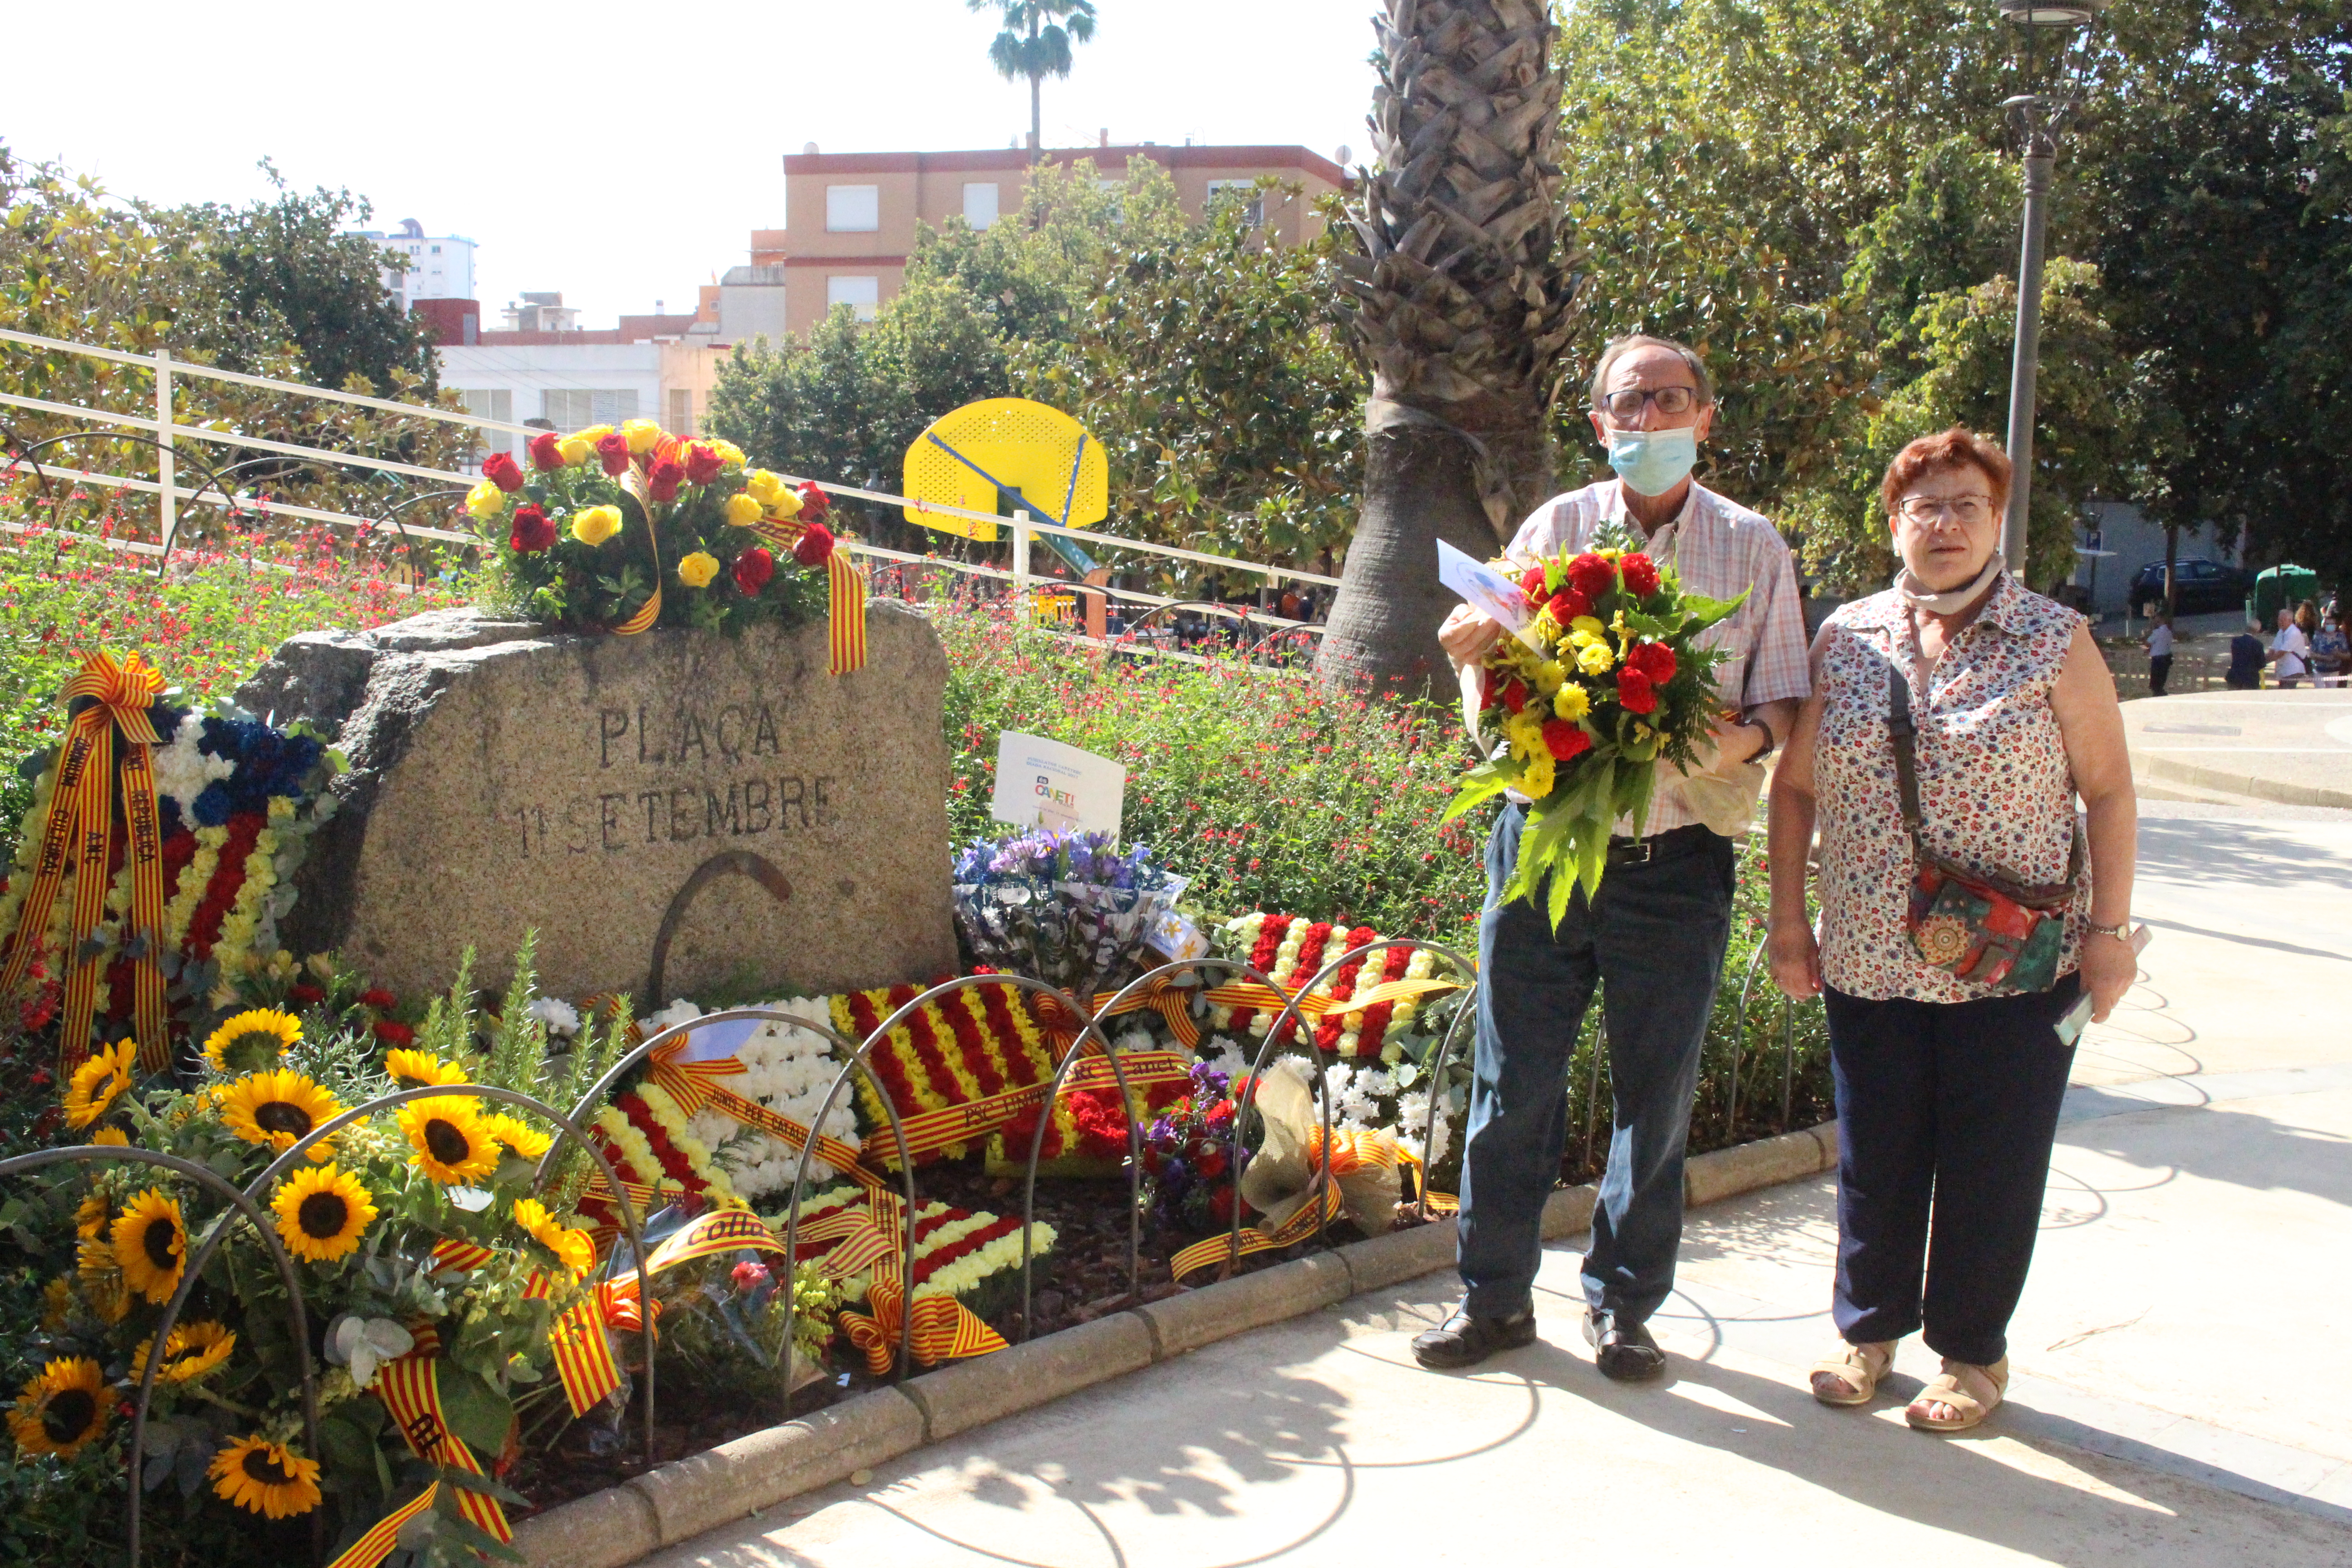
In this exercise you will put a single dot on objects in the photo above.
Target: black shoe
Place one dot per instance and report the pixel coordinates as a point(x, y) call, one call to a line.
point(1623, 1350)
point(1466, 1339)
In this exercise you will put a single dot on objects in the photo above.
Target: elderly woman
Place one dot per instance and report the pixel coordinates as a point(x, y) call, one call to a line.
point(1954, 720)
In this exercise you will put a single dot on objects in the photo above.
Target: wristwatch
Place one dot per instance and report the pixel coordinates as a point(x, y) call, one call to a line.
point(1771, 741)
point(2120, 931)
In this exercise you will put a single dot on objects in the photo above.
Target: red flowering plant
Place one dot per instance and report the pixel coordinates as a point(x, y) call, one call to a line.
point(1604, 682)
point(621, 528)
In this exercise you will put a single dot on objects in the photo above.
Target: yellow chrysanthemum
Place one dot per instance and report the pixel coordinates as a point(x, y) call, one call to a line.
point(99, 1082)
point(523, 1140)
point(251, 1041)
point(1571, 703)
point(485, 499)
point(697, 569)
point(277, 1109)
point(1549, 674)
point(101, 1280)
point(642, 435)
point(421, 1069)
point(448, 1136)
point(321, 1214)
point(266, 1479)
point(1538, 779)
point(149, 1246)
point(573, 1249)
point(1595, 659)
point(596, 524)
point(61, 1410)
point(1590, 626)
point(194, 1350)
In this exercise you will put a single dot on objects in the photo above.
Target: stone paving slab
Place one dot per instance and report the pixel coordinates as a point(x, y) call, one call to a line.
point(2294, 746)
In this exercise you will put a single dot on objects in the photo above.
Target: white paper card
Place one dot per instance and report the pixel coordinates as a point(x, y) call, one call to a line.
point(1175, 935)
point(1045, 784)
point(1485, 590)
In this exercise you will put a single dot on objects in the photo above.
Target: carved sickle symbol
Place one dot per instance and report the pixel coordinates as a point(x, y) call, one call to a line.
point(730, 862)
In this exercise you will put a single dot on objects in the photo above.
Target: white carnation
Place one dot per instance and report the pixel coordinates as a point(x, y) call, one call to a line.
point(560, 1016)
point(181, 772)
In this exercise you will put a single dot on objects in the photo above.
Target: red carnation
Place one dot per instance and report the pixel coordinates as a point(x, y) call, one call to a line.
point(1515, 694)
point(1641, 575)
point(663, 479)
point(392, 1034)
point(531, 529)
point(702, 463)
point(1487, 695)
point(1635, 692)
point(613, 450)
point(1567, 605)
point(1654, 659)
point(753, 568)
point(1531, 584)
point(814, 503)
point(815, 546)
point(1564, 739)
point(499, 468)
point(545, 454)
point(1591, 575)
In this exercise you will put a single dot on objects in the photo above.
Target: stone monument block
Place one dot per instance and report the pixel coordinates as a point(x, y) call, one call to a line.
point(671, 812)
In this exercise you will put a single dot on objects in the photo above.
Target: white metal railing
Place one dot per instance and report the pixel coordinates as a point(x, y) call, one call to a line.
point(167, 429)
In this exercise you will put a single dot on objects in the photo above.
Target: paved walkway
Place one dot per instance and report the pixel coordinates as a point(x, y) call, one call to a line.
point(2294, 747)
point(2178, 1384)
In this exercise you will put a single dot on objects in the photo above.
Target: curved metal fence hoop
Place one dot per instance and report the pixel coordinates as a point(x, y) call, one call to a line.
point(240, 1204)
point(211, 479)
point(298, 1152)
point(1444, 1054)
point(391, 514)
point(1274, 1034)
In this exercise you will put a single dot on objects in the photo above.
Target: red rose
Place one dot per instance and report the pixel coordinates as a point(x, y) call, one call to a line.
point(663, 479)
point(1567, 605)
point(1515, 694)
point(1641, 575)
point(1635, 692)
point(1591, 575)
point(753, 568)
point(613, 450)
point(1654, 659)
point(499, 468)
point(544, 455)
point(702, 463)
point(531, 530)
point(392, 1034)
point(815, 502)
point(1564, 739)
point(815, 546)
point(377, 997)
point(1531, 584)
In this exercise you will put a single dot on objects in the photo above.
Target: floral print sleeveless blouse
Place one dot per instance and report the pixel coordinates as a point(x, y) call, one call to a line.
point(1995, 792)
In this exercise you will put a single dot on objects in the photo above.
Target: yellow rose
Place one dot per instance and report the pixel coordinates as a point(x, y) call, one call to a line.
point(597, 524)
point(1571, 703)
point(729, 453)
point(698, 569)
point(593, 433)
point(485, 499)
point(1595, 659)
point(744, 509)
point(575, 451)
point(765, 486)
point(642, 435)
point(785, 507)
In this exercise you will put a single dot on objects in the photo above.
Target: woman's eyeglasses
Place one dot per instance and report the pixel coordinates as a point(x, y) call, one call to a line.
point(1627, 404)
point(1927, 510)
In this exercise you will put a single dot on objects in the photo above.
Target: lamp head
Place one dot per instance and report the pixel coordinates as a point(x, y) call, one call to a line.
point(2057, 15)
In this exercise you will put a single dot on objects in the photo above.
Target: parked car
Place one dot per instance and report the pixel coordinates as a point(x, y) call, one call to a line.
point(2202, 586)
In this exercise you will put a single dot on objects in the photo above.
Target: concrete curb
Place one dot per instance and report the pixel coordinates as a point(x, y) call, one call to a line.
point(2245, 784)
point(625, 1523)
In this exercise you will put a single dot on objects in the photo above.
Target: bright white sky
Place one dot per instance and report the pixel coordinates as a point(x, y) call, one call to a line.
point(623, 154)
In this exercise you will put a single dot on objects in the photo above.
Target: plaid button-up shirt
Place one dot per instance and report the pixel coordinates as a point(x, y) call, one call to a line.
point(1719, 548)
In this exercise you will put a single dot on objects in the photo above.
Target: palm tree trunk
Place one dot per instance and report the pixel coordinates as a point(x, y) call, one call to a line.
point(1462, 304)
point(1036, 117)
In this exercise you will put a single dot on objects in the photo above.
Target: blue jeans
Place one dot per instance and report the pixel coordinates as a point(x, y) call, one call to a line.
point(1655, 934)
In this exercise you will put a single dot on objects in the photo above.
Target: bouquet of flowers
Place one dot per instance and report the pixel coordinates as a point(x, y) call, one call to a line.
point(1187, 1158)
point(1605, 680)
point(619, 530)
point(1068, 907)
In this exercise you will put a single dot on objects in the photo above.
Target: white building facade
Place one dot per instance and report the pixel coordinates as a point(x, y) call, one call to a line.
point(440, 267)
point(571, 385)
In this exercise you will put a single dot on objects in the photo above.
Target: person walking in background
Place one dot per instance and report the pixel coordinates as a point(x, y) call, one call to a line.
point(2331, 648)
point(2159, 654)
point(2247, 656)
point(2290, 650)
point(1954, 721)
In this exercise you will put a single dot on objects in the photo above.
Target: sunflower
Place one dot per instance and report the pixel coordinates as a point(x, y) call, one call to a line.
point(62, 1410)
point(451, 1144)
point(101, 1280)
point(278, 1108)
point(525, 1142)
point(265, 1478)
point(421, 1069)
point(99, 1082)
point(94, 1218)
point(194, 1350)
point(149, 1246)
point(573, 1249)
point(252, 1040)
point(56, 1304)
point(321, 1213)
point(114, 1137)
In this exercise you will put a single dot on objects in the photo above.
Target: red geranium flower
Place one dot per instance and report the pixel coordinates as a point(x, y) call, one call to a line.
point(1564, 739)
point(1635, 692)
point(544, 454)
point(815, 502)
point(1654, 659)
point(531, 529)
point(1531, 584)
point(613, 451)
point(1591, 575)
point(1641, 575)
point(753, 568)
point(663, 479)
point(815, 546)
point(702, 463)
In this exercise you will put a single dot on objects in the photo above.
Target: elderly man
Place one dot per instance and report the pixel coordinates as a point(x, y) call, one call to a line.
point(1656, 931)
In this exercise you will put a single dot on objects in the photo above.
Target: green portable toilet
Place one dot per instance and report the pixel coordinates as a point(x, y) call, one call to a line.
point(2283, 587)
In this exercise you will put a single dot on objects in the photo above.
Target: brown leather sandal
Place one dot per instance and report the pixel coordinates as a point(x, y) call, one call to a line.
point(1973, 1392)
point(1859, 1368)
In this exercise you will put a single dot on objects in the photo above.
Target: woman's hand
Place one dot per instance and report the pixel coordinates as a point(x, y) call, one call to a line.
point(2108, 968)
point(1796, 959)
point(1467, 634)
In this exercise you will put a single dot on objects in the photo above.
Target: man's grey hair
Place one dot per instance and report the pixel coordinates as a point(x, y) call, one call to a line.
point(1616, 346)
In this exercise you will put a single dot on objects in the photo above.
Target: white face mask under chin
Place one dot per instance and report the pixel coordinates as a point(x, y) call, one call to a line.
point(1951, 600)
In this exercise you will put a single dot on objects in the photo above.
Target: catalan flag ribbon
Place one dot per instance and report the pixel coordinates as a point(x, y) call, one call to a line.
point(650, 611)
point(376, 1545)
point(452, 1254)
point(1246, 993)
point(945, 1328)
point(411, 1390)
point(584, 1355)
point(846, 614)
point(1297, 1227)
point(955, 1123)
point(1173, 1002)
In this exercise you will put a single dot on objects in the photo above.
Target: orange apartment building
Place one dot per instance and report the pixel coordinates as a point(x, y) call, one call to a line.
point(850, 218)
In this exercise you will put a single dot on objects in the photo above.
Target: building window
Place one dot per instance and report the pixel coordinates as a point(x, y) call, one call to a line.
point(863, 295)
point(681, 411)
point(492, 402)
point(853, 209)
point(1244, 191)
point(575, 408)
point(980, 204)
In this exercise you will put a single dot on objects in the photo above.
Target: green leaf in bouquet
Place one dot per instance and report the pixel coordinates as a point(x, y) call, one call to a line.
point(1482, 783)
point(1647, 626)
point(477, 1412)
point(1699, 612)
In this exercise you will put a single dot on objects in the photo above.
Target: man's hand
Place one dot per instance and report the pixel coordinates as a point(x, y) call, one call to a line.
point(1467, 634)
point(1795, 957)
point(1724, 749)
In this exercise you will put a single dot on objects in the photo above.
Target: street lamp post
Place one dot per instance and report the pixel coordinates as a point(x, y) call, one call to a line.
point(2053, 75)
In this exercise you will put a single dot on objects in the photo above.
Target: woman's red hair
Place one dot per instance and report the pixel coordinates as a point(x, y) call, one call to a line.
point(1952, 449)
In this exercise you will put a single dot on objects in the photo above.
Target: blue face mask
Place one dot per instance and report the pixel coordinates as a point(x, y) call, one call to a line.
point(1652, 462)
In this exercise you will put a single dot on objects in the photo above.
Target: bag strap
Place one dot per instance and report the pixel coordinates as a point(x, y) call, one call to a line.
point(1906, 762)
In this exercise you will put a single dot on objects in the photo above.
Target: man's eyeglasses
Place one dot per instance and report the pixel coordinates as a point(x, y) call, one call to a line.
point(1926, 509)
point(1627, 404)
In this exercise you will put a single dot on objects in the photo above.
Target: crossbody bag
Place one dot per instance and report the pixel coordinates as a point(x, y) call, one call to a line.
point(1987, 931)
